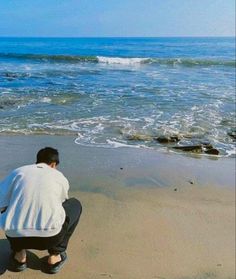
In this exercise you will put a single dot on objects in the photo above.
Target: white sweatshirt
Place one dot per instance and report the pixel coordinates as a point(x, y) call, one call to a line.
point(33, 196)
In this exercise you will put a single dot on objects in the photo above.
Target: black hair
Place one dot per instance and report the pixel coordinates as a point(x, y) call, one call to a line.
point(48, 155)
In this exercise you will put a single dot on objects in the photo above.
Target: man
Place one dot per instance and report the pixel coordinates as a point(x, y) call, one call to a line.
point(36, 212)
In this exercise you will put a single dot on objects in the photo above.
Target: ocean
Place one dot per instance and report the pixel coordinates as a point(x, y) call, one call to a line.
point(114, 92)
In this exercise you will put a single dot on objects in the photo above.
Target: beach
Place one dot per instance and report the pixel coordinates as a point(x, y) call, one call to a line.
point(146, 132)
point(146, 213)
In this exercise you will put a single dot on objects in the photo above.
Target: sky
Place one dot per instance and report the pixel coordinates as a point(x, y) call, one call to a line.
point(117, 18)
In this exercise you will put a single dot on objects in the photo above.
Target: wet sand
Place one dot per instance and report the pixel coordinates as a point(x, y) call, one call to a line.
point(145, 214)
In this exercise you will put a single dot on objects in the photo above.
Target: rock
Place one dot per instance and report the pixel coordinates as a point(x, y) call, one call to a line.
point(16, 75)
point(11, 75)
point(175, 138)
point(204, 147)
point(191, 182)
point(209, 149)
point(167, 139)
point(190, 148)
point(207, 145)
point(139, 137)
point(7, 103)
point(175, 189)
point(162, 139)
point(121, 168)
point(232, 134)
point(212, 151)
point(187, 136)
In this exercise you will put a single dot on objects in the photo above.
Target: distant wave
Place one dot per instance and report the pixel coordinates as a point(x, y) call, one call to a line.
point(49, 57)
point(188, 62)
point(165, 61)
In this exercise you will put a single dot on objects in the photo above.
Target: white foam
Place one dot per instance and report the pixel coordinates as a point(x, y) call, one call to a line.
point(80, 140)
point(27, 67)
point(117, 144)
point(119, 60)
point(231, 153)
point(46, 100)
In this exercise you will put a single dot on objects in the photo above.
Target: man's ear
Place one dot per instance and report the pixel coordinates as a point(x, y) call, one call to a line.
point(53, 165)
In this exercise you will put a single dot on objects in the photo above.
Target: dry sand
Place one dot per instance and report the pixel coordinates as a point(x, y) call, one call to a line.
point(134, 224)
point(147, 233)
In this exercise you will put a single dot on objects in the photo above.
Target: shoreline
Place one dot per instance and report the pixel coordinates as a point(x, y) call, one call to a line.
point(124, 166)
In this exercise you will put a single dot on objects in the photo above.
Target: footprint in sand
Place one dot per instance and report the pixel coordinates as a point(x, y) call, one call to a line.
point(106, 275)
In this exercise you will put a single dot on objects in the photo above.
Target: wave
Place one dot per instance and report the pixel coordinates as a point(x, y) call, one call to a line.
point(48, 57)
point(188, 62)
point(166, 61)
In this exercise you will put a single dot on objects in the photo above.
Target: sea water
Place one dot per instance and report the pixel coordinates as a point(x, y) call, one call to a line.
point(107, 91)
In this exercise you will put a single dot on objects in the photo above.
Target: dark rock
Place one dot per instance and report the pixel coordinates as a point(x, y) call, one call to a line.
point(191, 182)
point(207, 145)
point(11, 75)
point(139, 137)
point(209, 149)
point(175, 189)
point(232, 134)
point(162, 139)
point(175, 138)
point(121, 168)
point(7, 103)
point(212, 151)
point(167, 139)
point(190, 148)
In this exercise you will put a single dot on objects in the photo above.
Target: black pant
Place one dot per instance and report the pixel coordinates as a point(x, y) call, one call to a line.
point(54, 244)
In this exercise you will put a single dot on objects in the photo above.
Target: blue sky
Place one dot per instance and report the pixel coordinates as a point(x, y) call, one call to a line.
point(99, 18)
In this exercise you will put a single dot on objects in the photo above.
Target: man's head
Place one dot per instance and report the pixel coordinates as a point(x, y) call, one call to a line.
point(49, 156)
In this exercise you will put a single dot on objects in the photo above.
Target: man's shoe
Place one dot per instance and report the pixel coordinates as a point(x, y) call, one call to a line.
point(55, 268)
point(16, 266)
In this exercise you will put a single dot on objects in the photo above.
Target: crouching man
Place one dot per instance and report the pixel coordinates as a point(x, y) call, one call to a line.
point(36, 213)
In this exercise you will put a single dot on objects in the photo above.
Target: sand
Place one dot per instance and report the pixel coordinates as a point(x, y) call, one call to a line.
point(134, 229)
point(155, 233)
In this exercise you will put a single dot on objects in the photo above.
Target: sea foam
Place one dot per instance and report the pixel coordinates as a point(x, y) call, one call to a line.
point(120, 60)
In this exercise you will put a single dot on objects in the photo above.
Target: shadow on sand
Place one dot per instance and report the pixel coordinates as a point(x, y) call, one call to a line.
point(5, 252)
point(33, 261)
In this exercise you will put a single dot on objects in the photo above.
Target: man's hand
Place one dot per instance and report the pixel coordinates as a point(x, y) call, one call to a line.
point(3, 209)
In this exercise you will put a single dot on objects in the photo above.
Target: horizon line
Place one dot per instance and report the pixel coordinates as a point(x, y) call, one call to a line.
point(115, 37)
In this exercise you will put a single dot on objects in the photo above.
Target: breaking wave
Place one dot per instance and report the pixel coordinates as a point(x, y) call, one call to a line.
point(119, 60)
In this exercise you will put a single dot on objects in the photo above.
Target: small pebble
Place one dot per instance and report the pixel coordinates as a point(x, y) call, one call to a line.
point(191, 182)
point(121, 168)
point(175, 189)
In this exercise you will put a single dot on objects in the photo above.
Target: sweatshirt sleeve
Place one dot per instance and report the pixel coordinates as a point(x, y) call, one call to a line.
point(65, 188)
point(5, 190)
